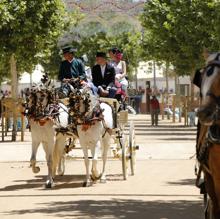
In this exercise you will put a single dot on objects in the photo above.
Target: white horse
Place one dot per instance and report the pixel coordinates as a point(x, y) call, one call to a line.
point(42, 125)
point(92, 136)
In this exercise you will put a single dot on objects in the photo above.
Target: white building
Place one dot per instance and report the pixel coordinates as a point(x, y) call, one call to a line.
point(26, 80)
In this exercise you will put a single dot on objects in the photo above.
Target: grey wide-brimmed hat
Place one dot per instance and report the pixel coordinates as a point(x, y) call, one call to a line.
point(68, 49)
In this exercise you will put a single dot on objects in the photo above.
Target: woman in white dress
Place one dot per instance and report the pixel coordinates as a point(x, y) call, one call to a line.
point(120, 67)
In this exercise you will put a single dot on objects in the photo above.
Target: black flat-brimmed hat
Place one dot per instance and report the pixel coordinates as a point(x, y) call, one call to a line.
point(68, 49)
point(101, 54)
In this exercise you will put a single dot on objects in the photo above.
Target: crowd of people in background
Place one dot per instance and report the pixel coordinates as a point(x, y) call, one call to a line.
point(107, 78)
point(5, 93)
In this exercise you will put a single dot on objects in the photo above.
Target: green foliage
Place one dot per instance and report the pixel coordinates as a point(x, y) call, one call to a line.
point(30, 29)
point(51, 63)
point(100, 40)
point(127, 42)
point(177, 31)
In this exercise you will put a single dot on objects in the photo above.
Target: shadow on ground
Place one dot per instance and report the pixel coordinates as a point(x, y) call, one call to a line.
point(117, 208)
point(184, 182)
point(61, 182)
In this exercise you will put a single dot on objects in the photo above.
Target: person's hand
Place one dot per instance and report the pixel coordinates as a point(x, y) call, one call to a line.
point(85, 84)
point(118, 76)
point(66, 80)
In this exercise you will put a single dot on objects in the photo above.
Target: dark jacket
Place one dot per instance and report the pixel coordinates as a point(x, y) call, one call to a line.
point(72, 69)
point(109, 76)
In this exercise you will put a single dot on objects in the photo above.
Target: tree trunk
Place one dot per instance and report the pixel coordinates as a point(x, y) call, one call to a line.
point(14, 93)
point(167, 83)
point(192, 89)
point(166, 75)
point(136, 78)
point(178, 101)
point(31, 80)
point(14, 77)
point(154, 73)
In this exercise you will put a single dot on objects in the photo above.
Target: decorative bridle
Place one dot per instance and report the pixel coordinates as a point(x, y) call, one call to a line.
point(35, 107)
point(80, 96)
point(209, 69)
point(209, 135)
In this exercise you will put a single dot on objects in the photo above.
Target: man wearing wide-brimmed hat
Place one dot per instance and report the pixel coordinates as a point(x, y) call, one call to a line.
point(71, 67)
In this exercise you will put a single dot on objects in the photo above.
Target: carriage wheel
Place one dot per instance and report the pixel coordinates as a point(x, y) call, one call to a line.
point(132, 148)
point(124, 157)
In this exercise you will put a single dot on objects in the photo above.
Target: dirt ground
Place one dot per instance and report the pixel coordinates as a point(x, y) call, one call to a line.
point(162, 188)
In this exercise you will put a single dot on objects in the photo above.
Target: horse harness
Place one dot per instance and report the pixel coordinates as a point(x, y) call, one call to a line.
point(34, 109)
point(208, 135)
point(209, 69)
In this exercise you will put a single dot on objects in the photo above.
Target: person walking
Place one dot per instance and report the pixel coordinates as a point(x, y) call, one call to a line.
point(155, 110)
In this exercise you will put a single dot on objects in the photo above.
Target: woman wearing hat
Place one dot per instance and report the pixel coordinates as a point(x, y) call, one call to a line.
point(120, 67)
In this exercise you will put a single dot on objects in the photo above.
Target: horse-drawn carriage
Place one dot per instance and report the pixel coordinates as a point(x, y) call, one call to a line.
point(124, 145)
point(81, 116)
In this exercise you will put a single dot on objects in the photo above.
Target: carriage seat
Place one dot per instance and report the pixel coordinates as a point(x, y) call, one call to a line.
point(111, 101)
point(120, 116)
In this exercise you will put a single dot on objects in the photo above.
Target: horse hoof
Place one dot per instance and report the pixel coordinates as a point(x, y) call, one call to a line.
point(95, 178)
point(49, 184)
point(36, 169)
point(87, 184)
point(61, 173)
point(103, 181)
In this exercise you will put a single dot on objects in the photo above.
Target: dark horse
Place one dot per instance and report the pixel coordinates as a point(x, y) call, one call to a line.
point(208, 147)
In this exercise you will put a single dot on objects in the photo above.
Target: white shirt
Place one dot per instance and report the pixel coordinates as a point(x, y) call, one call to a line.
point(103, 70)
point(88, 73)
point(71, 60)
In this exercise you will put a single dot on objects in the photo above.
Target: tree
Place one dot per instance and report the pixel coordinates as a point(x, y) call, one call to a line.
point(177, 31)
point(28, 31)
point(100, 39)
point(51, 62)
